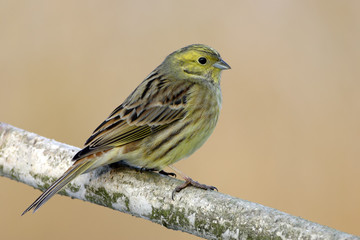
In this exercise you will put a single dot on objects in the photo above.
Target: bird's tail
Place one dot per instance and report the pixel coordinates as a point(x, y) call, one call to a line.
point(75, 170)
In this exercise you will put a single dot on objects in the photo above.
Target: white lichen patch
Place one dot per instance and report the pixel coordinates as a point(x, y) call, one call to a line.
point(191, 219)
point(160, 205)
point(79, 183)
point(120, 204)
point(230, 234)
point(140, 205)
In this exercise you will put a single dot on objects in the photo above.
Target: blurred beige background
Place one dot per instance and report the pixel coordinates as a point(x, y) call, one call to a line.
point(289, 133)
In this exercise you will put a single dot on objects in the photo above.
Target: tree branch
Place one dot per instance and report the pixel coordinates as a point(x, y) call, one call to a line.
point(38, 161)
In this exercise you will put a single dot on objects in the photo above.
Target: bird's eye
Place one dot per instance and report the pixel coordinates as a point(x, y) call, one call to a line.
point(202, 60)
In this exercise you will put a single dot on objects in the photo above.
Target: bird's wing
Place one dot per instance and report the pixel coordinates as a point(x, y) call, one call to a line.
point(154, 105)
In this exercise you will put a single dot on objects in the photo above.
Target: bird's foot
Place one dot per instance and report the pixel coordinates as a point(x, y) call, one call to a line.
point(189, 182)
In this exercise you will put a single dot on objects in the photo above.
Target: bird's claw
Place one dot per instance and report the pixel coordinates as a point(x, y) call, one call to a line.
point(162, 172)
point(189, 182)
point(167, 173)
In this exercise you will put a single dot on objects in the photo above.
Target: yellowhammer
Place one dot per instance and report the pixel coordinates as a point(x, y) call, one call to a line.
point(165, 119)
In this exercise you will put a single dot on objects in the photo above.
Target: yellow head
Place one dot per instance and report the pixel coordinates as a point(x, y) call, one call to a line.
point(195, 62)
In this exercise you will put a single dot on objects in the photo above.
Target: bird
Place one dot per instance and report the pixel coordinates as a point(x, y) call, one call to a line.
point(165, 119)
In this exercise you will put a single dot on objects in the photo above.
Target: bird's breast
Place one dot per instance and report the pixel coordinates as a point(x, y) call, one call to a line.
point(184, 136)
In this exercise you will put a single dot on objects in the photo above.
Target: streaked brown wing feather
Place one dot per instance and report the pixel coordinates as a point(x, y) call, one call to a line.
point(153, 106)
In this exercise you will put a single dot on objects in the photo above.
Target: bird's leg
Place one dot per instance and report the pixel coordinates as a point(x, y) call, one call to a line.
point(189, 182)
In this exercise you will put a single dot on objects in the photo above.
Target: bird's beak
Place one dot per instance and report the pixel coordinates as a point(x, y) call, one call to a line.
point(222, 65)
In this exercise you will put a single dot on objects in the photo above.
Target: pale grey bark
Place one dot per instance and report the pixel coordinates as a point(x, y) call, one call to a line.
point(38, 161)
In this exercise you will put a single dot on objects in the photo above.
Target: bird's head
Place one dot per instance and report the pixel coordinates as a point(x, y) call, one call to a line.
point(195, 62)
